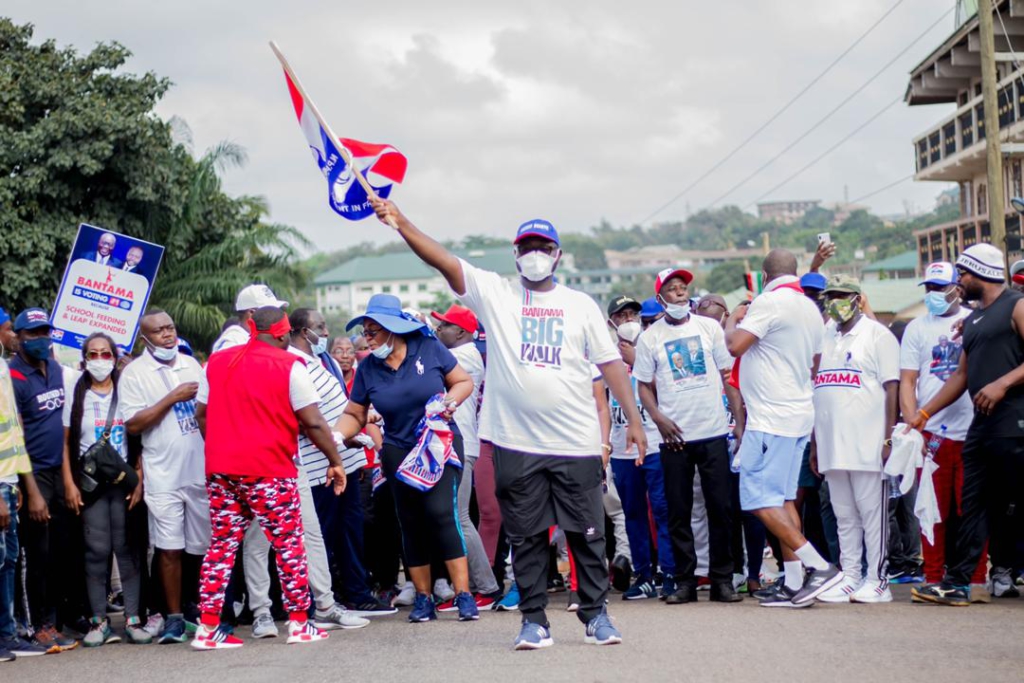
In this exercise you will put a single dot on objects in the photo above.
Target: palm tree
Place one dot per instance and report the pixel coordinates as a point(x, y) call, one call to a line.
point(218, 245)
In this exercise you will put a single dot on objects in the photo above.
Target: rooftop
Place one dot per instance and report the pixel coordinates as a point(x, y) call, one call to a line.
point(407, 266)
point(905, 261)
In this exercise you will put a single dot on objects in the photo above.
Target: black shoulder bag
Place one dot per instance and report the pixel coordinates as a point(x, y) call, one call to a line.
point(103, 466)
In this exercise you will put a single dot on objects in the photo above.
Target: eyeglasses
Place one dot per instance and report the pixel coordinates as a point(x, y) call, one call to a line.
point(370, 334)
point(99, 355)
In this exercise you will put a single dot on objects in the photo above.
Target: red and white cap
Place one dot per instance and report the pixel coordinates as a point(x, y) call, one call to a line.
point(669, 273)
point(939, 273)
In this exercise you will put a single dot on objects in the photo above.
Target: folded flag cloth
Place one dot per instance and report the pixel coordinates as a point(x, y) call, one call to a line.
point(926, 507)
point(905, 456)
point(424, 465)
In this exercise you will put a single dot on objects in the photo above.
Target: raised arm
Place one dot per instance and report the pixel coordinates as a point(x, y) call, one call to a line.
point(427, 248)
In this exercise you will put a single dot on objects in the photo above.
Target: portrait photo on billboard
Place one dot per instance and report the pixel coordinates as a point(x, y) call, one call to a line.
point(117, 251)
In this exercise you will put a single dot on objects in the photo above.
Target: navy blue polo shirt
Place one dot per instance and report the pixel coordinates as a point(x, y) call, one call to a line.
point(401, 395)
point(41, 405)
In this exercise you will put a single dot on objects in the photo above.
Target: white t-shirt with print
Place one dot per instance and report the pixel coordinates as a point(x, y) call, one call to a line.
point(849, 396)
point(95, 408)
point(467, 416)
point(620, 423)
point(686, 363)
point(540, 347)
point(929, 348)
point(172, 449)
point(775, 373)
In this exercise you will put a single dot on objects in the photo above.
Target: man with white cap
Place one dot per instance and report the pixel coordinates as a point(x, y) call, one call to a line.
point(248, 300)
point(991, 368)
point(929, 355)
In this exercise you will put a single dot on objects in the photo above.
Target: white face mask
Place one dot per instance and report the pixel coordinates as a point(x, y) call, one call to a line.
point(629, 331)
point(160, 353)
point(99, 369)
point(319, 346)
point(675, 311)
point(536, 266)
point(384, 350)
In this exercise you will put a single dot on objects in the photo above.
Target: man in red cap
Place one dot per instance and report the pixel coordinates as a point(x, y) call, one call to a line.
point(250, 405)
point(457, 330)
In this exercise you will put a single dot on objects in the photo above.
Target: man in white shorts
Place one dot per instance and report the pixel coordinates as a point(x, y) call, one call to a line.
point(158, 393)
point(779, 338)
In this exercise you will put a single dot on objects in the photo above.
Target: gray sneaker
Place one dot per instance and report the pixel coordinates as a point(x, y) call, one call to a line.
point(100, 634)
point(264, 627)
point(136, 633)
point(338, 617)
point(1002, 585)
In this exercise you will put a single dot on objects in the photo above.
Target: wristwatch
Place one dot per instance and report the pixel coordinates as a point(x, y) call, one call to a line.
point(887, 443)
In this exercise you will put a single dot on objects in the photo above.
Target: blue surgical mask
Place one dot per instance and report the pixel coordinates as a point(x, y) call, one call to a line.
point(384, 350)
point(937, 303)
point(320, 346)
point(38, 348)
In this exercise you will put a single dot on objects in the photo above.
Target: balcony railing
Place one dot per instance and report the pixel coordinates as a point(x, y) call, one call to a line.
point(966, 127)
point(944, 242)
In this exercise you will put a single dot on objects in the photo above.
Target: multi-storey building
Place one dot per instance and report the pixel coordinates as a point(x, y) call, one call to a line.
point(953, 150)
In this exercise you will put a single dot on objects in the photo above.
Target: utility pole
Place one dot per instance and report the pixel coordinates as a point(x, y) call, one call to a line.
point(996, 200)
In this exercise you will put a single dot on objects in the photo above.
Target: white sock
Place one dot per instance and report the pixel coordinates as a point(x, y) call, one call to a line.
point(794, 575)
point(810, 557)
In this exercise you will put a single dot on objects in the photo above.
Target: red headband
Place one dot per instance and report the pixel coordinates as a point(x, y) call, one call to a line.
point(278, 329)
point(1018, 279)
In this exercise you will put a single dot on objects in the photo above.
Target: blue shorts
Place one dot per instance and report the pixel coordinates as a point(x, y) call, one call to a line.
point(769, 469)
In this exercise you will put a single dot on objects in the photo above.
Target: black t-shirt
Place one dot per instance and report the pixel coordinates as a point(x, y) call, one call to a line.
point(401, 395)
point(994, 348)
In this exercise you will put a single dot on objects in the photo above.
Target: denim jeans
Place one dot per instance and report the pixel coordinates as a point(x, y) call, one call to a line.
point(637, 486)
point(8, 560)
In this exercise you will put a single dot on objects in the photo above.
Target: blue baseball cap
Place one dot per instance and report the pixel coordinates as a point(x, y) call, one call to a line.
point(31, 319)
point(4, 316)
point(184, 347)
point(537, 228)
point(813, 281)
point(651, 308)
point(386, 311)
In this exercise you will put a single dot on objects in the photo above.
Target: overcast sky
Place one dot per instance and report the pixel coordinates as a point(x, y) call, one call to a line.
point(572, 111)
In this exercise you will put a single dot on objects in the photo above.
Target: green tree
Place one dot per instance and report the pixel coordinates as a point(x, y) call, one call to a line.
point(79, 143)
point(725, 277)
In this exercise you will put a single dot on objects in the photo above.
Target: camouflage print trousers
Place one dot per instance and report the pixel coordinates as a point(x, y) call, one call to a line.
point(234, 503)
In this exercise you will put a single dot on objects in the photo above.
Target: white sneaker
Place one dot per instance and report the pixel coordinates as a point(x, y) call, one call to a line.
point(442, 591)
point(406, 597)
point(302, 632)
point(338, 617)
point(840, 592)
point(873, 591)
point(154, 625)
point(263, 626)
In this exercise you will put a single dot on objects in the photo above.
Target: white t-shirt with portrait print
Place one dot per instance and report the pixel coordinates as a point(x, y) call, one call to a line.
point(541, 348)
point(95, 408)
point(686, 363)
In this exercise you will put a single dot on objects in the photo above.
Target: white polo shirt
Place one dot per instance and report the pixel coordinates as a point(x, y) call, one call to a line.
point(686, 362)
point(775, 373)
point(467, 417)
point(929, 348)
point(172, 451)
point(849, 396)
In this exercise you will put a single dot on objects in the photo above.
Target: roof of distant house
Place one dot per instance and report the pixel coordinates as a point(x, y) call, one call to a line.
point(407, 266)
point(905, 261)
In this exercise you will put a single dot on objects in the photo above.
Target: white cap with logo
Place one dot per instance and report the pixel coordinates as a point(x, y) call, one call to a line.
point(257, 296)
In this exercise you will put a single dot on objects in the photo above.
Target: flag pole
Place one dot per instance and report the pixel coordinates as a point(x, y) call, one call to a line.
point(370, 192)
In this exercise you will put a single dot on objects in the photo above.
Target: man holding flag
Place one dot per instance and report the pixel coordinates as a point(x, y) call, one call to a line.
point(540, 414)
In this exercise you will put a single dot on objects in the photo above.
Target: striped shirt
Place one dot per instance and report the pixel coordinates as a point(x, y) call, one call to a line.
point(332, 404)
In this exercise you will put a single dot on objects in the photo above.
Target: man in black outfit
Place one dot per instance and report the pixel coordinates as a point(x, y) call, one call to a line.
point(991, 368)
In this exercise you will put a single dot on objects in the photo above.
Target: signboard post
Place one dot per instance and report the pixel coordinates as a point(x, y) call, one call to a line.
point(106, 287)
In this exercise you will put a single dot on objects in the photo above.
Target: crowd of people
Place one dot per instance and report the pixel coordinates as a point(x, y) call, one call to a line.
point(519, 444)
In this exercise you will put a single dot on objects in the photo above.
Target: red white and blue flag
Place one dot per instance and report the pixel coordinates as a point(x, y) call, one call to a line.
point(381, 165)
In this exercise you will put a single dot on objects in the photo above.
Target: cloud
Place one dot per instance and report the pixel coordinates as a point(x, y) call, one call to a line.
point(574, 111)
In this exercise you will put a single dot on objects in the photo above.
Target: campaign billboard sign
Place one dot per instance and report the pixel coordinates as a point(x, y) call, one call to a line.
point(106, 286)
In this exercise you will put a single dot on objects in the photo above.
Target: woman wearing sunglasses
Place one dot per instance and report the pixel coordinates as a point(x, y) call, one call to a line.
point(406, 369)
point(88, 418)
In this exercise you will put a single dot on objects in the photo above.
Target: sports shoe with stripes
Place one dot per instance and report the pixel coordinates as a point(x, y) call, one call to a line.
point(219, 638)
point(872, 591)
point(817, 582)
point(302, 632)
point(841, 592)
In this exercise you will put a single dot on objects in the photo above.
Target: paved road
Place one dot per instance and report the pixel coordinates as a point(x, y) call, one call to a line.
point(704, 642)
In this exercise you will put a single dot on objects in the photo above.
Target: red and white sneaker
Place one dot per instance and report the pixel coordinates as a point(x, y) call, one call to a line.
point(305, 632)
point(448, 606)
point(484, 601)
point(219, 638)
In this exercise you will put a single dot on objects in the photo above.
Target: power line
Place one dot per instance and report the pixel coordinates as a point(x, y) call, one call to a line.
point(774, 116)
point(831, 113)
point(828, 151)
point(882, 189)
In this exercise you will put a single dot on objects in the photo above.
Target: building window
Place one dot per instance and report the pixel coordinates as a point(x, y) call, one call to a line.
point(386, 289)
point(421, 287)
point(982, 200)
point(403, 288)
point(366, 290)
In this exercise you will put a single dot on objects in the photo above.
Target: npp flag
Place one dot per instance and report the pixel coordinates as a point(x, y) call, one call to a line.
point(380, 165)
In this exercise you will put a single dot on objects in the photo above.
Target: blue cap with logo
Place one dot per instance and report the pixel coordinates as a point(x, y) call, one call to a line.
point(651, 308)
point(31, 319)
point(537, 228)
point(940, 273)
